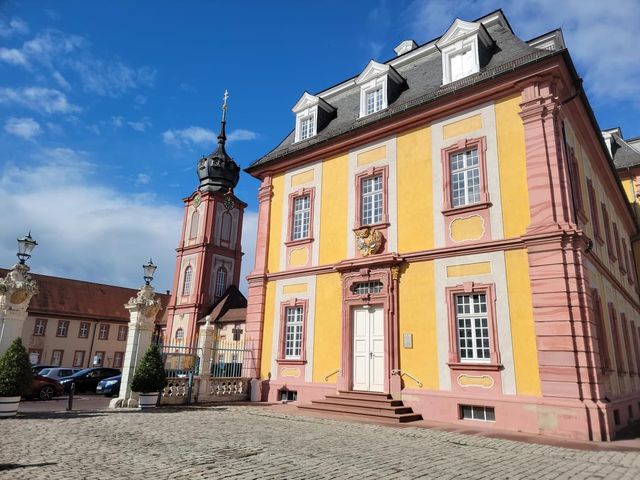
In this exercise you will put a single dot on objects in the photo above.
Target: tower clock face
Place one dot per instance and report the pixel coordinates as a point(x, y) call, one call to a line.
point(197, 201)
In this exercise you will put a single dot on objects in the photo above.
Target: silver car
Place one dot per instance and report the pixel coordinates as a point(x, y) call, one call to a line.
point(58, 372)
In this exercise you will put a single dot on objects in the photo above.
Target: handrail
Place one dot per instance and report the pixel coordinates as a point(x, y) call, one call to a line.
point(326, 379)
point(401, 373)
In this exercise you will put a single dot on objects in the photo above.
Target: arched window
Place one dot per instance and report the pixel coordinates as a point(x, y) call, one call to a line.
point(179, 334)
point(195, 220)
point(186, 283)
point(221, 282)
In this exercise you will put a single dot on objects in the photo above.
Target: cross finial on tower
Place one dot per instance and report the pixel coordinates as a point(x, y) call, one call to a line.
point(224, 105)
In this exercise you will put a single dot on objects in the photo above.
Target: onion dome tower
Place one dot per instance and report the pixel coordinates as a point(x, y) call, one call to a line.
point(209, 254)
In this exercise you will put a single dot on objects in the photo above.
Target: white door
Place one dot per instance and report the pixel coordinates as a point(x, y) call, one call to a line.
point(368, 349)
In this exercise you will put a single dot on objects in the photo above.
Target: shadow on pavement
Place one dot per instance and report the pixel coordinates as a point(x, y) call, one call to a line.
point(14, 466)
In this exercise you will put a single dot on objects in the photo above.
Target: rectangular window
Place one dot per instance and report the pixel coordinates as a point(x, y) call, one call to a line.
point(83, 332)
point(301, 217)
point(605, 359)
point(40, 327)
point(593, 208)
point(615, 332)
point(34, 356)
point(627, 343)
point(104, 331)
point(56, 357)
point(616, 238)
point(307, 126)
point(374, 100)
point(473, 327)
point(98, 359)
point(461, 64)
point(293, 332)
point(372, 209)
point(118, 357)
point(475, 412)
point(63, 328)
point(78, 358)
point(607, 232)
point(122, 332)
point(464, 169)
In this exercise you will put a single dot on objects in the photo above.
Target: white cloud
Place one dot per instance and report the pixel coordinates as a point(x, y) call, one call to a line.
point(43, 100)
point(60, 80)
point(240, 135)
point(87, 231)
point(110, 78)
point(142, 179)
point(189, 136)
point(203, 136)
point(13, 57)
point(117, 121)
point(601, 36)
point(26, 128)
point(140, 125)
point(15, 26)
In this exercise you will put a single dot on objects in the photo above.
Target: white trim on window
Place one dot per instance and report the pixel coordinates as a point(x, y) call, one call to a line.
point(472, 324)
point(301, 217)
point(293, 332)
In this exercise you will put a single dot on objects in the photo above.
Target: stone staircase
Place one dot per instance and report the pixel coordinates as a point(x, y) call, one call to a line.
point(379, 407)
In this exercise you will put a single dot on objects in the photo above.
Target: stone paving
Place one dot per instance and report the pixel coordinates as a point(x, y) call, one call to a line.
point(256, 443)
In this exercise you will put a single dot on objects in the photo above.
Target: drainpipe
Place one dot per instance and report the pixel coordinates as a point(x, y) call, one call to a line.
point(93, 337)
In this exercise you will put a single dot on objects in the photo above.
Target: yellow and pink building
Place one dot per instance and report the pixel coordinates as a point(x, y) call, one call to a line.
point(449, 228)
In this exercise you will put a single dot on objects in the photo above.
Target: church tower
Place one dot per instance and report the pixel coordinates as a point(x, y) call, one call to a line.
point(209, 254)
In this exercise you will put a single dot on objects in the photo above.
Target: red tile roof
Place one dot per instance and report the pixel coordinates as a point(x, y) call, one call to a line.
point(76, 298)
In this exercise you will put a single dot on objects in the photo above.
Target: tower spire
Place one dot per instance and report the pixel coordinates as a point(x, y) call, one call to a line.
point(222, 137)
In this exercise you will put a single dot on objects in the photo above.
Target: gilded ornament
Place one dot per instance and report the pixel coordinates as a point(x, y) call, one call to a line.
point(19, 296)
point(368, 241)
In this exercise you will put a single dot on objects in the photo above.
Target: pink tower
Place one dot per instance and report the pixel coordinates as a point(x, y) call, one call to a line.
point(209, 254)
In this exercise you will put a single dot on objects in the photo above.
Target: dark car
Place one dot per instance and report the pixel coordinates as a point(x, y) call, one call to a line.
point(87, 380)
point(36, 369)
point(109, 387)
point(45, 388)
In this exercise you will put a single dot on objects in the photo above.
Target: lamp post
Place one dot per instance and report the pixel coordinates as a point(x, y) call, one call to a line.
point(149, 269)
point(25, 247)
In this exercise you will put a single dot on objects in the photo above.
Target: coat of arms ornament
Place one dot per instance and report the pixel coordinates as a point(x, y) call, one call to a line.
point(368, 241)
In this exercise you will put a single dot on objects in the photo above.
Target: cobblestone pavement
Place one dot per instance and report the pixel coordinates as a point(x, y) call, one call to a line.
point(255, 443)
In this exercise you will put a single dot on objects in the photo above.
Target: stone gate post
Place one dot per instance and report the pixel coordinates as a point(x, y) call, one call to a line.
point(142, 313)
point(16, 290)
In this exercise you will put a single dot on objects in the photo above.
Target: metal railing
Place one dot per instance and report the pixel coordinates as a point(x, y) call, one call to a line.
point(181, 361)
point(400, 373)
point(326, 378)
point(231, 359)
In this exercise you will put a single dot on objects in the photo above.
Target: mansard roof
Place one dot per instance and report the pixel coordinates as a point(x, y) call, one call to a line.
point(421, 68)
point(623, 153)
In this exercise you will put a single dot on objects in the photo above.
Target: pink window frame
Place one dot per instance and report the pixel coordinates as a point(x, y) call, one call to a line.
point(215, 284)
point(88, 324)
point(576, 187)
point(631, 366)
point(369, 173)
point(311, 193)
point(99, 353)
point(593, 208)
point(296, 302)
point(126, 332)
point(603, 346)
point(615, 332)
point(481, 144)
point(616, 237)
point(226, 227)
point(631, 273)
point(61, 356)
point(470, 288)
point(184, 277)
point(607, 232)
point(119, 364)
point(106, 337)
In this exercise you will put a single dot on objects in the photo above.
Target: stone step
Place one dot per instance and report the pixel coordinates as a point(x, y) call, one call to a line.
point(363, 412)
point(364, 395)
point(382, 400)
point(375, 406)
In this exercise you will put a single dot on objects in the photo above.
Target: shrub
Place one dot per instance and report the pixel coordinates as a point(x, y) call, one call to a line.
point(150, 375)
point(15, 371)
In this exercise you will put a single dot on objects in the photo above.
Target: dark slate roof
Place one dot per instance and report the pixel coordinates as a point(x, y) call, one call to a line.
point(424, 82)
point(64, 297)
point(624, 155)
point(230, 308)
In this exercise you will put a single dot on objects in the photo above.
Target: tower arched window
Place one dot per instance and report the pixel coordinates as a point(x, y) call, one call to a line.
point(225, 228)
point(186, 283)
point(180, 334)
point(221, 282)
point(195, 220)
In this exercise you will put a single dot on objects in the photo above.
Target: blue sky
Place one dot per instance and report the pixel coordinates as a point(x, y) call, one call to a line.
point(105, 107)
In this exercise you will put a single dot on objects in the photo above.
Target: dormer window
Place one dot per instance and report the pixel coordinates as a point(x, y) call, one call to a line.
point(312, 115)
point(380, 85)
point(465, 49)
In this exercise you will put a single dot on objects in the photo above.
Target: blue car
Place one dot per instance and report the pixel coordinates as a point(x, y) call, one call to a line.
point(109, 387)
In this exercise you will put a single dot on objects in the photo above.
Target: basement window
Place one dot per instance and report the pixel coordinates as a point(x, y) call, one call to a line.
point(475, 412)
point(287, 395)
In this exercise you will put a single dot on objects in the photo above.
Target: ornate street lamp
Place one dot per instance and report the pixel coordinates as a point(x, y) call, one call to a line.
point(149, 269)
point(25, 247)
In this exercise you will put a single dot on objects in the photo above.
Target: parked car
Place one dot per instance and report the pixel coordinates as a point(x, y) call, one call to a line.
point(38, 368)
point(109, 387)
point(45, 388)
point(87, 380)
point(58, 372)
